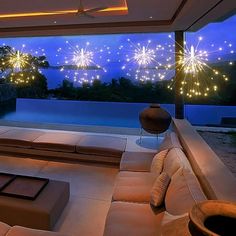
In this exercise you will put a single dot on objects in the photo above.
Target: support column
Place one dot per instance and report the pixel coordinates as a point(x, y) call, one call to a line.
point(179, 74)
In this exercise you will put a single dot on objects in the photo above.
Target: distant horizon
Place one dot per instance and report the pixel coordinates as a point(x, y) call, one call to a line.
point(115, 53)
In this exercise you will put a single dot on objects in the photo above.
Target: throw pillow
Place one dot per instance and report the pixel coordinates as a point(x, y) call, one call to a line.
point(158, 162)
point(159, 189)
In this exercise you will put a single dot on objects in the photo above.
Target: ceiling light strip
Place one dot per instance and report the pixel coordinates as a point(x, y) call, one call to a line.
point(73, 11)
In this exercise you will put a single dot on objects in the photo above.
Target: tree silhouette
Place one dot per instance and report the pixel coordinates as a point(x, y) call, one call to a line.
point(22, 69)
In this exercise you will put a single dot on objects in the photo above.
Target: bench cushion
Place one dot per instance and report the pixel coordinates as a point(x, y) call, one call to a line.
point(4, 129)
point(61, 142)
point(4, 228)
point(19, 137)
point(101, 145)
point(136, 161)
point(183, 192)
point(133, 186)
point(22, 231)
point(133, 219)
point(174, 160)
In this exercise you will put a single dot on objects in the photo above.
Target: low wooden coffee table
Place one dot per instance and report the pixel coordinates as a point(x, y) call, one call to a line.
point(40, 213)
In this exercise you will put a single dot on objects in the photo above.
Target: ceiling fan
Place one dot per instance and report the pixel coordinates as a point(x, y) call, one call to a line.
point(83, 12)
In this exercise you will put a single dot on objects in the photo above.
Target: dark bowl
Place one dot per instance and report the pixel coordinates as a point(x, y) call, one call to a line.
point(214, 218)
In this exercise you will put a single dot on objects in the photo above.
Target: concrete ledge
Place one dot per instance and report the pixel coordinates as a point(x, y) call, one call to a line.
point(75, 128)
point(215, 178)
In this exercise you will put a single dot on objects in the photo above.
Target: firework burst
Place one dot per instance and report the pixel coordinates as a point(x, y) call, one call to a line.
point(17, 66)
point(18, 60)
point(80, 65)
point(146, 63)
point(144, 56)
point(200, 76)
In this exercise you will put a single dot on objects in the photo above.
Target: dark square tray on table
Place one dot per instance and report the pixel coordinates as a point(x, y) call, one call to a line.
point(19, 186)
point(31, 201)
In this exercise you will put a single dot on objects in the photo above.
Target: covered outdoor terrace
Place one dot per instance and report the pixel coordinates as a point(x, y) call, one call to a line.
point(109, 181)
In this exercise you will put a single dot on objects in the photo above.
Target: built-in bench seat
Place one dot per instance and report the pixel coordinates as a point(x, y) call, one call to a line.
point(4, 129)
point(59, 142)
point(19, 137)
point(100, 145)
point(61, 145)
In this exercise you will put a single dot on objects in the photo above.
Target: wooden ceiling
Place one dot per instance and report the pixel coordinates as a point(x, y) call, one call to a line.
point(58, 17)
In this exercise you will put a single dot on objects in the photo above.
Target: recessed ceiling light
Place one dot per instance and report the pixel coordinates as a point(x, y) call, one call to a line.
point(150, 17)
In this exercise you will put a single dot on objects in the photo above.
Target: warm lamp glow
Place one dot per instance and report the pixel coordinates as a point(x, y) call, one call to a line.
point(18, 60)
point(199, 77)
point(123, 9)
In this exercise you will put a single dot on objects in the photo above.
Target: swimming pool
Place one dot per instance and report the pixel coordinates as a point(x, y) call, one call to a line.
point(76, 112)
point(113, 114)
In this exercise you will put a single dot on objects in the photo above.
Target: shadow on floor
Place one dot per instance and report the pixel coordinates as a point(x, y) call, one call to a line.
point(149, 142)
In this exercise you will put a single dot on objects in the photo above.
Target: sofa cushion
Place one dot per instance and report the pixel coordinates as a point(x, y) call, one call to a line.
point(159, 189)
point(19, 137)
point(4, 129)
point(133, 186)
point(4, 228)
point(101, 145)
point(167, 218)
point(178, 226)
point(158, 161)
point(136, 161)
point(183, 192)
point(22, 231)
point(62, 142)
point(171, 140)
point(174, 160)
point(133, 219)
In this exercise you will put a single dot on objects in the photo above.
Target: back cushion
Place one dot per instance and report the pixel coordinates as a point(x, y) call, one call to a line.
point(183, 192)
point(171, 140)
point(175, 159)
point(158, 162)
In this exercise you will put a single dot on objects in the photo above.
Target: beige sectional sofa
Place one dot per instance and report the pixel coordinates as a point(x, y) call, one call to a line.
point(62, 145)
point(196, 174)
point(132, 214)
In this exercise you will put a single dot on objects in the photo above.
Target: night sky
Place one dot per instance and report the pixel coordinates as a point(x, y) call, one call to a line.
point(114, 53)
